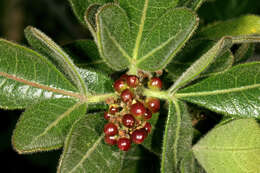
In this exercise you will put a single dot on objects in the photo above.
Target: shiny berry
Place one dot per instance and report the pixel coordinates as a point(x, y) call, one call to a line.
point(128, 120)
point(138, 109)
point(124, 77)
point(155, 83)
point(127, 96)
point(111, 140)
point(153, 104)
point(110, 129)
point(124, 144)
point(107, 115)
point(148, 127)
point(132, 81)
point(147, 114)
point(138, 136)
point(120, 85)
point(113, 110)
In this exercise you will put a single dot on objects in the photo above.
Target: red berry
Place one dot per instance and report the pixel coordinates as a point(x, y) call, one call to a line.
point(138, 136)
point(128, 120)
point(124, 144)
point(120, 85)
point(148, 127)
point(147, 114)
point(138, 109)
point(155, 83)
point(132, 81)
point(113, 110)
point(107, 115)
point(111, 140)
point(110, 129)
point(127, 96)
point(124, 77)
point(153, 104)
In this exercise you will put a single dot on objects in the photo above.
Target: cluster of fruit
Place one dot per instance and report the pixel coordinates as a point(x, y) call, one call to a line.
point(129, 114)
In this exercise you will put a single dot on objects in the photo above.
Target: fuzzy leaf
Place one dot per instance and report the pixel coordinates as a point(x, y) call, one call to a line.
point(80, 6)
point(85, 55)
point(235, 92)
point(202, 63)
point(90, 19)
point(27, 77)
point(85, 150)
point(44, 125)
point(192, 4)
point(177, 137)
point(193, 51)
point(244, 52)
point(230, 148)
point(245, 25)
point(41, 42)
point(189, 164)
point(136, 38)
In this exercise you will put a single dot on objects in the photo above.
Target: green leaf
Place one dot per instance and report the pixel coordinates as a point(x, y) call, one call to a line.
point(235, 92)
point(244, 52)
point(189, 164)
point(41, 42)
point(90, 19)
point(193, 51)
point(230, 148)
point(137, 37)
point(27, 77)
point(85, 150)
point(85, 55)
point(177, 139)
point(202, 63)
point(44, 125)
point(245, 25)
point(192, 4)
point(80, 6)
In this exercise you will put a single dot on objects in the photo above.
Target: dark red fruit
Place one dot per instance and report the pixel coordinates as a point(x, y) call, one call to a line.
point(120, 85)
point(132, 81)
point(111, 140)
point(147, 114)
point(138, 136)
point(148, 127)
point(113, 110)
point(128, 120)
point(155, 83)
point(124, 144)
point(107, 115)
point(138, 109)
point(124, 77)
point(127, 96)
point(110, 129)
point(153, 104)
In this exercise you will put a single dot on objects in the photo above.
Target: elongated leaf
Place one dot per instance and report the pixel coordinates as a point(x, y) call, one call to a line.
point(85, 55)
point(136, 38)
point(235, 92)
point(90, 19)
point(245, 25)
point(193, 51)
point(50, 49)
point(85, 150)
point(44, 126)
point(202, 63)
point(80, 6)
point(192, 4)
point(244, 52)
point(177, 137)
point(230, 148)
point(27, 77)
point(189, 165)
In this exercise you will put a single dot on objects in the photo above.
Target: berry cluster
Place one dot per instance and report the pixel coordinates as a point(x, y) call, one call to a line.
point(129, 114)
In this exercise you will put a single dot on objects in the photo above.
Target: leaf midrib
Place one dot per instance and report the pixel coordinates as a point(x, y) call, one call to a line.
point(216, 92)
point(43, 87)
point(240, 149)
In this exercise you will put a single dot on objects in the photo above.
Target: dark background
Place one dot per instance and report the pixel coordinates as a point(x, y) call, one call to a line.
point(55, 18)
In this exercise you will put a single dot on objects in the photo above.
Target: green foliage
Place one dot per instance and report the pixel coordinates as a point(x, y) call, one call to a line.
point(64, 89)
point(233, 147)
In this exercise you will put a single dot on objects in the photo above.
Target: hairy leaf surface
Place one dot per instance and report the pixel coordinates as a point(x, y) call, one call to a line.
point(137, 37)
point(235, 92)
point(85, 150)
point(177, 137)
point(233, 147)
point(27, 77)
point(44, 125)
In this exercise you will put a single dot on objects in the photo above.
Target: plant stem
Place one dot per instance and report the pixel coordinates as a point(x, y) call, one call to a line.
point(158, 94)
point(99, 98)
